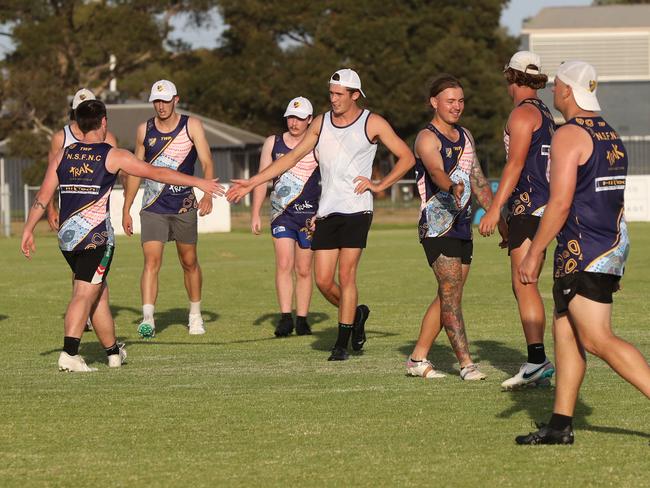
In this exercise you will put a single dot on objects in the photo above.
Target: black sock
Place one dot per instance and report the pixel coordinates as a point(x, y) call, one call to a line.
point(112, 350)
point(536, 353)
point(560, 422)
point(300, 319)
point(345, 330)
point(286, 316)
point(71, 345)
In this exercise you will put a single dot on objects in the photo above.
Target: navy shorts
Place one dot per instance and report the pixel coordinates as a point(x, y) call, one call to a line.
point(520, 228)
point(449, 247)
point(301, 236)
point(599, 287)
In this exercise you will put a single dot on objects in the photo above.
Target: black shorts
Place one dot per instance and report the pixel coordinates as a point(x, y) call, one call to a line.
point(448, 246)
point(598, 287)
point(90, 265)
point(520, 228)
point(338, 231)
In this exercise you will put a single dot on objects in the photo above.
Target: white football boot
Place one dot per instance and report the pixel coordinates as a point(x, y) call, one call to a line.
point(195, 324)
point(471, 373)
point(117, 360)
point(423, 369)
point(530, 375)
point(73, 364)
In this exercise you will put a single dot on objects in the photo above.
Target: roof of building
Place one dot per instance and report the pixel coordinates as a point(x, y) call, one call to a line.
point(123, 120)
point(590, 17)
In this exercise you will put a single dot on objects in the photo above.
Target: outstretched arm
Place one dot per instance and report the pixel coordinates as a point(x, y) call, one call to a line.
point(259, 193)
point(121, 159)
point(241, 188)
point(379, 128)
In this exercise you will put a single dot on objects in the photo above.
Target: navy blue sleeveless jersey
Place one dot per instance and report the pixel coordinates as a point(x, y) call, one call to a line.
point(439, 214)
point(532, 191)
point(594, 237)
point(174, 150)
point(85, 187)
point(296, 192)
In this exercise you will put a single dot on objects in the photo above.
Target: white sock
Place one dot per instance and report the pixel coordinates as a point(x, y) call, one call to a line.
point(195, 308)
point(147, 313)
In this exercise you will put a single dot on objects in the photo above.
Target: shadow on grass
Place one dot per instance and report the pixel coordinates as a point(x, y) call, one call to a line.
point(271, 319)
point(537, 402)
point(3, 317)
point(324, 339)
point(177, 316)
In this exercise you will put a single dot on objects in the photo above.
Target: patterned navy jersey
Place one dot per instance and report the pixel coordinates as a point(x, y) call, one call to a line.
point(295, 194)
point(439, 214)
point(531, 193)
point(174, 150)
point(85, 187)
point(594, 237)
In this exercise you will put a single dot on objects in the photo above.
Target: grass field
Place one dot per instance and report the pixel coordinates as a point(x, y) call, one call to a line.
point(238, 407)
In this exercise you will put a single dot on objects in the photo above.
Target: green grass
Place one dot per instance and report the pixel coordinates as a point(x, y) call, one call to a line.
point(238, 407)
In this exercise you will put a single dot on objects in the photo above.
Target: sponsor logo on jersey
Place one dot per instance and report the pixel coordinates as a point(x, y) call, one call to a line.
point(177, 189)
point(301, 207)
point(609, 183)
point(80, 170)
point(614, 154)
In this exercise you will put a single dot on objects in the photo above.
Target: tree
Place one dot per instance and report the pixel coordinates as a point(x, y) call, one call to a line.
point(274, 50)
point(62, 45)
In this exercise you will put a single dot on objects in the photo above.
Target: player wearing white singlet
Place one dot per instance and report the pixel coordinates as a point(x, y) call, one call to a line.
point(344, 140)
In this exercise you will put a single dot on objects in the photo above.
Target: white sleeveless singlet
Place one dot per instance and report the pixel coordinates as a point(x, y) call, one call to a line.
point(68, 137)
point(343, 153)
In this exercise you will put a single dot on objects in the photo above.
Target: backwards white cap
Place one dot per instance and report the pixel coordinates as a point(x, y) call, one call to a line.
point(299, 107)
point(81, 96)
point(347, 78)
point(162, 90)
point(583, 80)
point(526, 62)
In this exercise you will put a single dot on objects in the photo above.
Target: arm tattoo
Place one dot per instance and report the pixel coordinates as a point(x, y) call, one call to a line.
point(480, 185)
point(38, 204)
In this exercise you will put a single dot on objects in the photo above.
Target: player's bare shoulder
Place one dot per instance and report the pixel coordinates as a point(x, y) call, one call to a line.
point(426, 140)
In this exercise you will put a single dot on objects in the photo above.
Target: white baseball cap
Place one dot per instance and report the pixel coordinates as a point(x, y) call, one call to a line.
point(82, 95)
point(347, 78)
point(162, 90)
point(583, 80)
point(526, 62)
point(299, 107)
